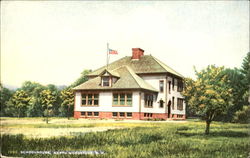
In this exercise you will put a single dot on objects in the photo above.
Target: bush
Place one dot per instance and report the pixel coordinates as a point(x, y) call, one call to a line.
point(154, 119)
point(242, 116)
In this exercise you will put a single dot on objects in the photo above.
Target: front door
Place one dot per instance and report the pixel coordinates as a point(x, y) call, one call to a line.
point(169, 108)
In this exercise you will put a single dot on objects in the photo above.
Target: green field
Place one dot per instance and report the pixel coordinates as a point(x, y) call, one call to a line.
point(126, 138)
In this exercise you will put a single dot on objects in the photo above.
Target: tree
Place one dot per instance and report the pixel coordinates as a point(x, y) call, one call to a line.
point(35, 108)
point(245, 69)
point(239, 83)
point(20, 102)
point(30, 87)
point(242, 116)
point(67, 106)
point(10, 109)
point(58, 101)
point(48, 99)
point(33, 89)
point(83, 78)
point(5, 95)
point(236, 83)
point(189, 82)
point(210, 94)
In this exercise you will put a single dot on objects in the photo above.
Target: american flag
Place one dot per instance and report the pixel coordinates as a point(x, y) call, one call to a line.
point(111, 51)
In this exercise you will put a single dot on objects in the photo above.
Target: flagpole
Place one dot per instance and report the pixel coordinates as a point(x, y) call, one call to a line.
point(107, 55)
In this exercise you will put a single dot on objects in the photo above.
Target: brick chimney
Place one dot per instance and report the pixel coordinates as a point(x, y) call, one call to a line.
point(137, 53)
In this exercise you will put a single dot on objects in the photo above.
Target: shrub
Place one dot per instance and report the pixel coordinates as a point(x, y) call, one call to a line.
point(242, 116)
point(158, 119)
point(154, 119)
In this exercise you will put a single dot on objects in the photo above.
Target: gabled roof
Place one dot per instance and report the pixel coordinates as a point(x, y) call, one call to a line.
point(128, 80)
point(146, 64)
point(167, 68)
point(112, 73)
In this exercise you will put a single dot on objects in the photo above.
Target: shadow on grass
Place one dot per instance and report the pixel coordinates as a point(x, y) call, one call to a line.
point(240, 126)
point(216, 134)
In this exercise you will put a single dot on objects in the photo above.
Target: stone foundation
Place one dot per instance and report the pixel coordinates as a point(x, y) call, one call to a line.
point(135, 116)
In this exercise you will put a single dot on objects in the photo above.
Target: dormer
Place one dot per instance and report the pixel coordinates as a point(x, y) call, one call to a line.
point(108, 78)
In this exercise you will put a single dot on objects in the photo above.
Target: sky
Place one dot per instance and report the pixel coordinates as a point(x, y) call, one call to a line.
point(52, 42)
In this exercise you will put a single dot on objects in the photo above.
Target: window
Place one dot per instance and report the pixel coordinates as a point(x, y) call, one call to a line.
point(90, 99)
point(169, 87)
point(173, 83)
point(122, 114)
point(96, 113)
point(84, 99)
point(161, 103)
point(179, 116)
point(148, 114)
point(89, 113)
point(180, 86)
point(124, 99)
point(129, 99)
point(115, 99)
point(173, 103)
point(105, 81)
point(148, 100)
point(179, 104)
point(161, 86)
point(129, 114)
point(114, 114)
point(83, 113)
point(96, 99)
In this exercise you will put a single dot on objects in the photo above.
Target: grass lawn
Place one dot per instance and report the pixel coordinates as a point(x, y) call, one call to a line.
point(124, 138)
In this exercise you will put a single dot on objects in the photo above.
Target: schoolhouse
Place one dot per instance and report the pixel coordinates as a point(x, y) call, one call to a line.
point(134, 87)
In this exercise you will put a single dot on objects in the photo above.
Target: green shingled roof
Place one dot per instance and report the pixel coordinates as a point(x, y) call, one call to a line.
point(126, 70)
point(112, 73)
point(128, 80)
point(146, 64)
point(169, 69)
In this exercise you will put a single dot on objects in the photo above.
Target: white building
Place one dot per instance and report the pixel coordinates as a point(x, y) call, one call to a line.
point(134, 87)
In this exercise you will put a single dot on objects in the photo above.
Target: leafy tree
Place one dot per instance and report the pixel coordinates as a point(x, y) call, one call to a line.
point(83, 78)
point(10, 109)
point(236, 83)
point(35, 108)
point(67, 106)
point(245, 69)
point(56, 92)
point(189, 82)
point(239, 83)
point(5, 95)
point(20, 101)
point(33, 89)
point(242, 116)
point(48, 99)
point(210, 94)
